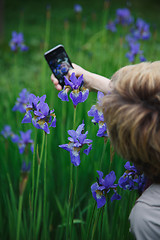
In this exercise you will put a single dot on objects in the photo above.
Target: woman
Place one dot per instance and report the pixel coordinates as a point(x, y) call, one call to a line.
point(132, 114)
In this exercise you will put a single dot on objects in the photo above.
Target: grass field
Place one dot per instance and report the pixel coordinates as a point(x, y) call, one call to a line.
point(57, 202)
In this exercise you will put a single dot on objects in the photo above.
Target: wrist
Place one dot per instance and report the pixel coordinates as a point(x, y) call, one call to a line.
point(88, 81)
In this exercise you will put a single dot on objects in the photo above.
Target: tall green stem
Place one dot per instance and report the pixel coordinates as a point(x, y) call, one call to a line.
point(74, 198)
point(95, 224)
point(71, 187)
point(111, 156)
point(74, 118)
point(33, 166)
point(19, 215)
point(91, 220)
point(101, 223)
point(46, 43)
point(103, 153)
point(38, 174)
point(45, 191)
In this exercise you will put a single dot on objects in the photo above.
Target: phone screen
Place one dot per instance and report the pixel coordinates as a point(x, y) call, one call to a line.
point(59, 62)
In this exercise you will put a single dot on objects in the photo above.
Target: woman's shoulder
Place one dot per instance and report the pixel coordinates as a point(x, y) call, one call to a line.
point(151, 195)
point(145, 215)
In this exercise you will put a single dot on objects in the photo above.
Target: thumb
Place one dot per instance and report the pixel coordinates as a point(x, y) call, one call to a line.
point(70, 72)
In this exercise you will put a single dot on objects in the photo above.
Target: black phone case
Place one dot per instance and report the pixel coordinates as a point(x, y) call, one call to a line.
point(59, 62)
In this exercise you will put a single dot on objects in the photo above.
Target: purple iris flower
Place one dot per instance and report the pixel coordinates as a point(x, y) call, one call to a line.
point(32, 106)
point(63, 95)
point(98, 118)
point(78, 93)
point(14, 138)
point(132, 179)
point(103, 186)
point(142, 58)
point(42, 115)
point(130, 38)
point(25, 168)
point(102, 131)
point(77, 140)
point(77, 8)
point(111, 26)
point(134, 47)
point(21, 101)
point(25, 141)
point(17, 42)
point(123, 16)
point(130, 56)
point(23, 48)
point(134, 50)
point(6, 131)
point(141, 30)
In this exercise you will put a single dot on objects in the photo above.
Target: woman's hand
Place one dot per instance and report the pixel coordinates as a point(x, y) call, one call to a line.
point(78, 72)
point(56, 82)
point(92, 81)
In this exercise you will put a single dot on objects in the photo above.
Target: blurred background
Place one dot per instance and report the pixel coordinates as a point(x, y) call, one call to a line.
point(100, 42)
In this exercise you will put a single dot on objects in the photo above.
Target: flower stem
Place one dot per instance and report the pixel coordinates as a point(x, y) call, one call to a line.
point(33, 167)
point(19, 215)
point(70, 189)
point(101, 223)
point(91, 220)
point(111, 156)
point(74, 118)
point(38, 174)
point(45, 190)
point(46, 42)
point(95, 224)
point(74, 199)
point(103, 153)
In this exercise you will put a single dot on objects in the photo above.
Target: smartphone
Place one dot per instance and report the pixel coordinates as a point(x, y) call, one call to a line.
point(59, 62)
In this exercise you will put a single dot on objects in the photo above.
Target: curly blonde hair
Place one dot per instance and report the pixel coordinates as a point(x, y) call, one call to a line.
point(132, 114)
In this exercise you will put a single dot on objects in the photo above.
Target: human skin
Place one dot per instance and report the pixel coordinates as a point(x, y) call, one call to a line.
point(92, 81)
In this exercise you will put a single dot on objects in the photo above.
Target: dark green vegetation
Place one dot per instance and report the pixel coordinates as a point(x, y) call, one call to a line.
point(88, 44)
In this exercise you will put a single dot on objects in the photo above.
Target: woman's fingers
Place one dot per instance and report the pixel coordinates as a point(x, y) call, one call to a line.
point(76, 69)
point(70, 72)
point(56, 83)
point(58, 87)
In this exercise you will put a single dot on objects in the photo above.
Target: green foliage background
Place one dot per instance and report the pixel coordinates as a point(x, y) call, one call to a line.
point(88, 44)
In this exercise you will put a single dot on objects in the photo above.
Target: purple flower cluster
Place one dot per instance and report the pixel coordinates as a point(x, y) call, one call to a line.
point(17, 42)
point(134, 50)
point(78, 8)
point(132, 179)
point(138, 31)
point(23, 141)
point(42, 115)
point(111, 26)
point(98, 118)
point(123, 17)
point(141, 30)
point(25, 168)
point(77, 140)
point(6, 131)
point(21, 101)
point(78, 93)
point(102, 187)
